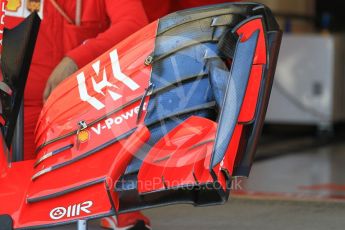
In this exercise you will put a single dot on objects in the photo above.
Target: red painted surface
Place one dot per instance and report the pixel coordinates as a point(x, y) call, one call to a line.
point(124, 157)
point(179, 159)
point(64, 109)
point(245, 32)
point(104, 23)
point(80, 164)
point(251, 99)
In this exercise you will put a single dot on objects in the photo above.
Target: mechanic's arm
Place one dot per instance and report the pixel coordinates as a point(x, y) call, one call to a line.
point(126, 17)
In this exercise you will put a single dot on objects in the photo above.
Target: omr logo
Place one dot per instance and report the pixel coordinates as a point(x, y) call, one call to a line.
point(104, 85)
point(71, 211)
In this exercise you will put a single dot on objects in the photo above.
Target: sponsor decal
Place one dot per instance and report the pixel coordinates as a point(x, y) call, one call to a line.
point(109, 123)
point(104, 85)
point(13, 5)
point(74, 210)
point(83, 136)
point(23, 8)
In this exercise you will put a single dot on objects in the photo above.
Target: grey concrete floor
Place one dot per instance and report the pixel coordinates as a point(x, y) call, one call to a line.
point(314, 173)
point(253, 214)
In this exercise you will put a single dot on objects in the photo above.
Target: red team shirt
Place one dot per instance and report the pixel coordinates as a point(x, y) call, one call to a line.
point(158, 8)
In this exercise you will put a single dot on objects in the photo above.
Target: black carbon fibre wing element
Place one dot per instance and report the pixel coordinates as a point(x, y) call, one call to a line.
point(18, 48)
point(234, 96)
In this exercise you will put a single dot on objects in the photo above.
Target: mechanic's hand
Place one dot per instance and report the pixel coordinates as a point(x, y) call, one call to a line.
point(62, 71)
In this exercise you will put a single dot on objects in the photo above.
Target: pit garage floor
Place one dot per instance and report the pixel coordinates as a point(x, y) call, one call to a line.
point(300, 190)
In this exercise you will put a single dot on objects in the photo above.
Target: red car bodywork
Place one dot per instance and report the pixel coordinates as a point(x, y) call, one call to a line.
point(93, 125)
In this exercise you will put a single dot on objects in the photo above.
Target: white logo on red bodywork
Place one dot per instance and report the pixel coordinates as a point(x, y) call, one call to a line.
point(110, 122)
point(71, 211)
point(104, 85)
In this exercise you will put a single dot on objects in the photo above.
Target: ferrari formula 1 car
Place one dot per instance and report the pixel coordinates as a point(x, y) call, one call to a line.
point(170, 115)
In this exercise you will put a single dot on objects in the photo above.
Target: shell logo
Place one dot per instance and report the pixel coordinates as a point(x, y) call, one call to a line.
point(83, 136)
point(13, 5)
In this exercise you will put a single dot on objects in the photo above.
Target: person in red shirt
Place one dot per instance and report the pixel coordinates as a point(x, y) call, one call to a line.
point(156, 9)
point(72, 34)
point(66, 43)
